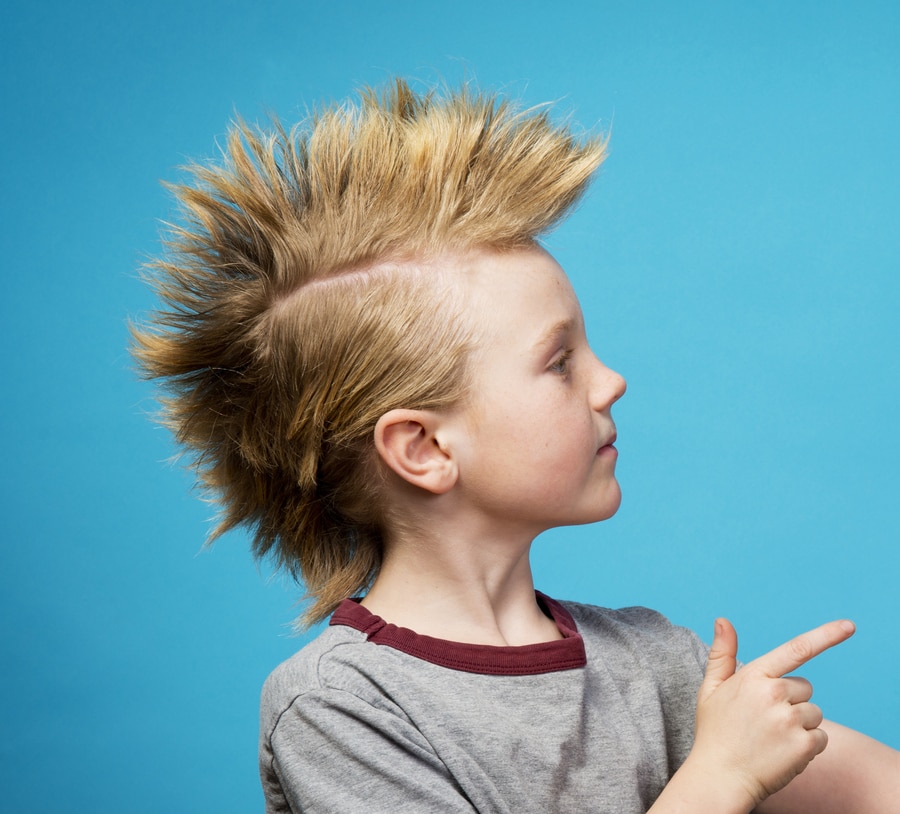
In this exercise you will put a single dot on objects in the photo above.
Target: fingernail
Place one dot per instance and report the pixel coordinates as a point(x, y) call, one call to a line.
point(848, 626)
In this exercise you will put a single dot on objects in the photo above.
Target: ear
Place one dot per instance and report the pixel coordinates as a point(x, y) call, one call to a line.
point(408, 441)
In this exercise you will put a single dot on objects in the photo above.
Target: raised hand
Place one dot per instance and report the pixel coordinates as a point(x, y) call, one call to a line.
point(756, 727)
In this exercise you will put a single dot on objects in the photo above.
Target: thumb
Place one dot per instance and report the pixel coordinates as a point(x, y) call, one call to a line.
point(722, 657)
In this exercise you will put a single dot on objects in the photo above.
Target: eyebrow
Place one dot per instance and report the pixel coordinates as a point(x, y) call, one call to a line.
point(562, 327)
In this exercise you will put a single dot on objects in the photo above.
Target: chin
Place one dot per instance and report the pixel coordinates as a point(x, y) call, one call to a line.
point(610, 506)
point(596, 514)
point(592, 510)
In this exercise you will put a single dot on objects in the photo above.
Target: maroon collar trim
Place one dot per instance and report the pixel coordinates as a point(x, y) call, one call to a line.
point(533, 659)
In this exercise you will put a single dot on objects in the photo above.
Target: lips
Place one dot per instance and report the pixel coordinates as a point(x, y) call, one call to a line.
point(610, 442)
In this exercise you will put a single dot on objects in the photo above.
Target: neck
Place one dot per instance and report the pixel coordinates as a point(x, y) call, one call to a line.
point(473, 588)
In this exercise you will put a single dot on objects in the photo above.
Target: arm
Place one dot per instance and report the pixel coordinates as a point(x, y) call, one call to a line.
point(331, 753)
point(854, 775)
point(756, 729)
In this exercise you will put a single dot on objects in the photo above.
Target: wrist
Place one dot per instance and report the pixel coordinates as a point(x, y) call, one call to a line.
point(698, 788)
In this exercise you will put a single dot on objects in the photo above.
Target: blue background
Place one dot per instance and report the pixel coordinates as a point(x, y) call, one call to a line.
point(738, 260)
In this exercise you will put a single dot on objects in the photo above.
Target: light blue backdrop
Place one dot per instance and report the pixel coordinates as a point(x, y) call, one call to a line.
point(738, 261)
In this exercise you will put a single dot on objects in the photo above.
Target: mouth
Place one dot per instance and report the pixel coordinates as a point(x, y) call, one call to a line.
point(609, 443)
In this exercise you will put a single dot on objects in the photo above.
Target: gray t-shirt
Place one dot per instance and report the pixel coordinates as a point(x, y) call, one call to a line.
point(372, 718)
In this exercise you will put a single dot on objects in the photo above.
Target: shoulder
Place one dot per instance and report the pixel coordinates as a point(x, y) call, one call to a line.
point(636, 617)
point(637, 632)
point(634, 621)
point(333, 727)
point(323, 666)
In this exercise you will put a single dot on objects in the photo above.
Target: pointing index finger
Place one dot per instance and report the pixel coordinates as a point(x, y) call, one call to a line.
point(792, 654)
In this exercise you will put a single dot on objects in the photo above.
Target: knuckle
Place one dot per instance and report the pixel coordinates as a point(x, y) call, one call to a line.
point(801, 649)
point(807, 748)
point(811, 744)
point(818, 740)
point(776, 691)
point(801, 688)
point(816, 715)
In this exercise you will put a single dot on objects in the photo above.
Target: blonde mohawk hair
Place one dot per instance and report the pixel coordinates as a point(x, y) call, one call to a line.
point(285, 332)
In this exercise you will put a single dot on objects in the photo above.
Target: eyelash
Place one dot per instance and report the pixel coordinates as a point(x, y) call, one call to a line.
point(561, 363)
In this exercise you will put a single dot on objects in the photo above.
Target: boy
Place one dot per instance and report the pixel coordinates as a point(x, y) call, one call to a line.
point(385, 377)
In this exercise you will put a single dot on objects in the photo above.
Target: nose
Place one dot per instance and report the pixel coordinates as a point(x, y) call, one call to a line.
point(609, 387)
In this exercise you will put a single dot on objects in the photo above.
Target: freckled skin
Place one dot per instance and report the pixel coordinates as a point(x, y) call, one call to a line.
point(538, 433)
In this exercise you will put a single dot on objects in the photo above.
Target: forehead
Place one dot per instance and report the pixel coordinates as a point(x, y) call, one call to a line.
point(523, 295)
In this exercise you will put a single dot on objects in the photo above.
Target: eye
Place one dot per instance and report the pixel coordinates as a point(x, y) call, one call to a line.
point(561, 363)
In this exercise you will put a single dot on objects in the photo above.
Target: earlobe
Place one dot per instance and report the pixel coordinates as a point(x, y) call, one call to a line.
point(408, 441)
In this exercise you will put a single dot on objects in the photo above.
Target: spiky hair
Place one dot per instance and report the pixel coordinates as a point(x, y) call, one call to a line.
point(290, 319)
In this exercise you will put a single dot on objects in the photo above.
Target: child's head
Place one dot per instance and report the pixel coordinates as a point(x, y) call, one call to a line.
point(309, 294)
point(530, 448)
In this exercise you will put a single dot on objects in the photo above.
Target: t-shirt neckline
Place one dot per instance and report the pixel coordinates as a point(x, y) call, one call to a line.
point(566, 653)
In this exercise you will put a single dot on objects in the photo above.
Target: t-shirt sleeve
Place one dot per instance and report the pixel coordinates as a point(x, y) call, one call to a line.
point(640, 647)
point(330, 751)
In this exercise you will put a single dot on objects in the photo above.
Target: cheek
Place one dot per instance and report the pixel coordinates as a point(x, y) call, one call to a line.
point(551, 434)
